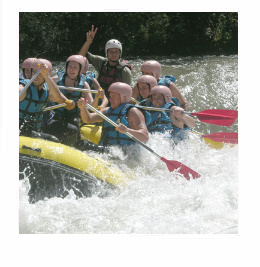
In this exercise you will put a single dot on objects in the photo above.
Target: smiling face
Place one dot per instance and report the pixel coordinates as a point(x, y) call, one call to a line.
point(114, 99)
point(144, 89)
point(158, 100)
point(73, 69)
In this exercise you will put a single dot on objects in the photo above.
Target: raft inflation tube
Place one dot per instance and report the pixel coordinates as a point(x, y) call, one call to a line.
point(54, 169)
point(92, 133)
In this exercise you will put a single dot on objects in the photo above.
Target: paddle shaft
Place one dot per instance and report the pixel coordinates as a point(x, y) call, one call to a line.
point(30, 82)
point(54, 107)
point(78, 89)
point(134, 100)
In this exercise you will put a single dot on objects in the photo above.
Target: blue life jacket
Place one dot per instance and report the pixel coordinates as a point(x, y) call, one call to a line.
point(89, 79)
point(161, 122)
point(31, 108)
point(109, 135)
point(61, 113)
point(166, 80)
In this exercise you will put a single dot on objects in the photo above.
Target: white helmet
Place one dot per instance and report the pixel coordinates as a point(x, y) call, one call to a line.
point(113, 43)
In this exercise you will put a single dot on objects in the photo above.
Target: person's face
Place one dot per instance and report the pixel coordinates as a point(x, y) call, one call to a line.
point(28, 73)
point(39, 80)
point(158, 100)
point(113, 54)
point(73, 69)
point(144, 89)
point(114, 99)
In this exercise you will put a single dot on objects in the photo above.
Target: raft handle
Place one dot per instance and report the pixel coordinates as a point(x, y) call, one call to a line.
point(33, 149)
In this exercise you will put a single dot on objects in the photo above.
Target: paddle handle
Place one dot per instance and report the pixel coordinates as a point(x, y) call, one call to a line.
point(134, 100)
point(30, 82)
point(54, 107)
point(78, 89)
point(58, 106)
point(126, 133)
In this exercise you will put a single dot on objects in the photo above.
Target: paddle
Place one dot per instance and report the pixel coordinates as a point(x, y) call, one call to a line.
point(78, 89)
point(223, 117)
point(57, 106)
point(231, 138)
point(30, 82)
point(171, 164)
point(134, 100)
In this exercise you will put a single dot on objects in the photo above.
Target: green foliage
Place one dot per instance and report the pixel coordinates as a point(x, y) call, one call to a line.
point(58, 35)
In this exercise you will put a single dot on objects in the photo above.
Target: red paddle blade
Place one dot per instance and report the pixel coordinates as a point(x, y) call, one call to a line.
point(222, 117)
point(186, 171)
point(231, 138)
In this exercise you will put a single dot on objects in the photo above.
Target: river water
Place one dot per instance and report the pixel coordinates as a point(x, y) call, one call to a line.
point(156, 201)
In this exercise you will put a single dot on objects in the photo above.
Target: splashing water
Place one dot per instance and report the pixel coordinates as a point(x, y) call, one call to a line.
point(155, 201)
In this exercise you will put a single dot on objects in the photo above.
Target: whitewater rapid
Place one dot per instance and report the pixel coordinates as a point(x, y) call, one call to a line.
point(156, 201)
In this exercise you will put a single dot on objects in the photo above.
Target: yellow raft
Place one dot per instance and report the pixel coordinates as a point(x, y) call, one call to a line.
point(92, 133)
point(54, 169)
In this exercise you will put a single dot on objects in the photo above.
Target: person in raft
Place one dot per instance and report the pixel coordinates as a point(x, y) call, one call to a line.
point(65, 124)
point(128, 117)
point(176, 123)
point(27, 68)
point(153, 68)
point(33, 101)
point(110, 68)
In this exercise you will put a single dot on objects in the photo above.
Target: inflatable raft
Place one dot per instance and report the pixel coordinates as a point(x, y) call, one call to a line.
point(92, 133)
point(54, 169)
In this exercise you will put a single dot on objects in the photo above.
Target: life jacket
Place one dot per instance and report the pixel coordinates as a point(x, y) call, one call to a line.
point(109, 75)
point(161, 122)
point(166, 80)
point(89, 79)
point(109, 135)
point(61, 113)
point(31, 108)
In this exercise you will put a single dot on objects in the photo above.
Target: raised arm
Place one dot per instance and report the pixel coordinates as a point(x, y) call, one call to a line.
point(89, 36)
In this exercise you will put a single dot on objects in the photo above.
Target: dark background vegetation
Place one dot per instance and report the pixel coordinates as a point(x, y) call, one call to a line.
point(58, 35)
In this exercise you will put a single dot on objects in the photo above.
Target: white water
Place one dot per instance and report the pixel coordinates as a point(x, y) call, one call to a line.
point(156, 201)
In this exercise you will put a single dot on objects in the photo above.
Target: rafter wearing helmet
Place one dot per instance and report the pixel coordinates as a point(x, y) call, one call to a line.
point(153, 68)
point(110, 68)
point(176, 123)
point(128, 117)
